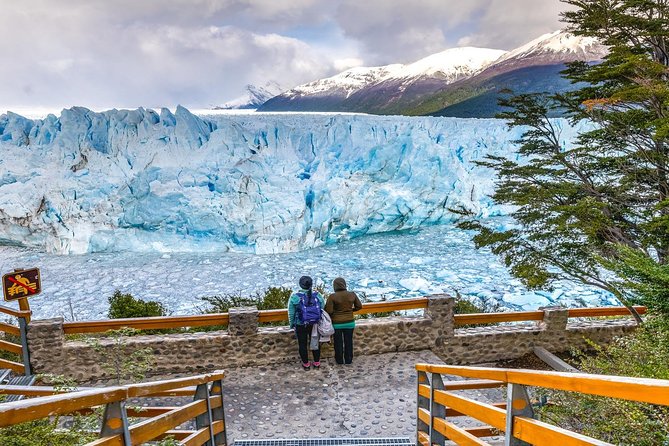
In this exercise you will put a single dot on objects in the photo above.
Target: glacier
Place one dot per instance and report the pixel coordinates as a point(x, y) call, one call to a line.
point(160, 181)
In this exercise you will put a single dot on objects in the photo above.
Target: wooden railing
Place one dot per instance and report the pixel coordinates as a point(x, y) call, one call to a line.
point(437, 403)
point(159, 422)
point(20, 332)
point(281, 315)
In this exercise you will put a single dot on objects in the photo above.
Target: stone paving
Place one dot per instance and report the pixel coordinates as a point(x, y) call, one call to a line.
point(373, 397)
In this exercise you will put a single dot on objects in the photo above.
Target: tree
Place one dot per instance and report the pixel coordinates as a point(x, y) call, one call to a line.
point(586, 211)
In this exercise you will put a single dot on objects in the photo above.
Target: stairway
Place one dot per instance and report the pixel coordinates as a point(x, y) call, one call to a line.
point(6, 378)
point(398, 441)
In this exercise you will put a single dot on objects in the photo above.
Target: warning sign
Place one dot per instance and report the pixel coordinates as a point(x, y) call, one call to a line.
point(21, 283)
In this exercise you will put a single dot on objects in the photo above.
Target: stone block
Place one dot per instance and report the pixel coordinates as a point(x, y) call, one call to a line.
point(243, 321)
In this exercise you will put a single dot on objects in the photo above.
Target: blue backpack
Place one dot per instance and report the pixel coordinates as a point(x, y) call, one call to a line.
point(310, 309)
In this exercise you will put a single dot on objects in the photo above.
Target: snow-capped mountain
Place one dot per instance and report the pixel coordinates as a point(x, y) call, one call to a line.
point(362, 88)
point(253, 97)
point(533, 67)
point(443, 79)
point(558, 47)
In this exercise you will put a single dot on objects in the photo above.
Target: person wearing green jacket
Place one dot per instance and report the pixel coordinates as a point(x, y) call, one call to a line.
point(298, 302)
point(340, 306)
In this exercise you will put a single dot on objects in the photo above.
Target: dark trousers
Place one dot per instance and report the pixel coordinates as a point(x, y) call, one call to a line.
point(343, 345)
point(303, 333)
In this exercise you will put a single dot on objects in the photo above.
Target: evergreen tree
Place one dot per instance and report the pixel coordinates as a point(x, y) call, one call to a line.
point(597, 208)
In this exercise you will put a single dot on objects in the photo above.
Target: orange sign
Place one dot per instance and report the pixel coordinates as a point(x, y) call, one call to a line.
point(21, 283)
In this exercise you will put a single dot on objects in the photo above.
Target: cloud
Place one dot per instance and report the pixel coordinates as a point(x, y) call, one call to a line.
point(126, 53)
point(94, 57)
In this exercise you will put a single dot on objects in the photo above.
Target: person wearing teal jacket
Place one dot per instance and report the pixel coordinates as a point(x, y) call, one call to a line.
point(302, 330)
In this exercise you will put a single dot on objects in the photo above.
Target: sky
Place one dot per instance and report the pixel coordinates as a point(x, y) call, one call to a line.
point(200, 53)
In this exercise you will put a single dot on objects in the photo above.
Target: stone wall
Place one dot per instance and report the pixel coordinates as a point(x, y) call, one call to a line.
point(244, 343)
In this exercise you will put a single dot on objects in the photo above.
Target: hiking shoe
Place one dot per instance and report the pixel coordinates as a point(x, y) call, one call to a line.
point(316, 365)
point(306, 365)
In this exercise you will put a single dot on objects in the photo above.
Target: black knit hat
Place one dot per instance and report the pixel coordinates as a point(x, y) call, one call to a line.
point(305, 282)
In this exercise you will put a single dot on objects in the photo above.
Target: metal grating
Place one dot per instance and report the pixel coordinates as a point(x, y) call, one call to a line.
point(399, 441)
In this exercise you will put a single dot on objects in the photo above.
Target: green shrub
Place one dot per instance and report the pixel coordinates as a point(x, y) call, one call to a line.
point(644, 353)
point(272, 298)
point(125, 305)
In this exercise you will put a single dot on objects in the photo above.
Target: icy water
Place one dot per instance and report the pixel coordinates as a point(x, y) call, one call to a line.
point(392, 265)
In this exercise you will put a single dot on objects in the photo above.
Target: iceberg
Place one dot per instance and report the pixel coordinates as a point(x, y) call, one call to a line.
point(148, 181)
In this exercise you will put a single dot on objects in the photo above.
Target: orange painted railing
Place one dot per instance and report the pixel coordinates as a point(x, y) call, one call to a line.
point(281, 315)
point(158, 423)
point(437, 403)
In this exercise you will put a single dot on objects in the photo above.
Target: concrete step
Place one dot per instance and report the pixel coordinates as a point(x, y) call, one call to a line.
point(396, 441)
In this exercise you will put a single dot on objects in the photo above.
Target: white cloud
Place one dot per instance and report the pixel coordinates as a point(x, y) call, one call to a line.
point(203, 52)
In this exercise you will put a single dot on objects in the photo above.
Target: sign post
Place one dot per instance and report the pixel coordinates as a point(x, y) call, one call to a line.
point(20, 285)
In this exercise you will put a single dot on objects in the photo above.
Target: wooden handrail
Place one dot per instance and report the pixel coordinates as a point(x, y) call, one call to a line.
point(64, 403)
point(281, 315)
point(13, 366)
point(10, 347)
point(604, 311)
point(14, 312)
point(653, 391)
point(646, 390)
point(491, 318)
point(147, 323)
point(10, 329)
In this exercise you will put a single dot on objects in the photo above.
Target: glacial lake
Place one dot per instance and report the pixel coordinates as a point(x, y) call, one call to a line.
point(436, 259)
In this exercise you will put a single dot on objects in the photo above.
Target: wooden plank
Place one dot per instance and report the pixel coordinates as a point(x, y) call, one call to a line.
point(151, 388)
point(538, 433)
point(424, 390)
point(424, 415)
point(10, 347)
point(13, 366)
point(394, 305)
point(14, 312)
point(454, 413)
point(484, 431)
point(177, 434)
point(486, 413)
point(459, 435)
point(646, 390)
point(273, 315)
point(147, 323)
point(423, 438)
point(491, 318)
point(472, 384)
point(186, 391)
point(36, 408)
point(149, 429)
point(30, 390)
point(148, 412)
point(10, 329)
point(553, 361)
point(604, 311)
point(202, 435)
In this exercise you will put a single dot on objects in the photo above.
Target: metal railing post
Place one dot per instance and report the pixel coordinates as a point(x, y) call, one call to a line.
point(421, 403)
point(115, 422)
point(436, 410)
point(204, 420)
point(218, 414)
point(23, 328)
point(517, 404)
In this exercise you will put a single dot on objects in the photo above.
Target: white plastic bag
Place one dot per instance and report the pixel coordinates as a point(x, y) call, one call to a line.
point(313, 344)
point(325, 328)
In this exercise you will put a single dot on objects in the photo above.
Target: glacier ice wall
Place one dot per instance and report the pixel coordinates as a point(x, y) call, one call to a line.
point(139, 180)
